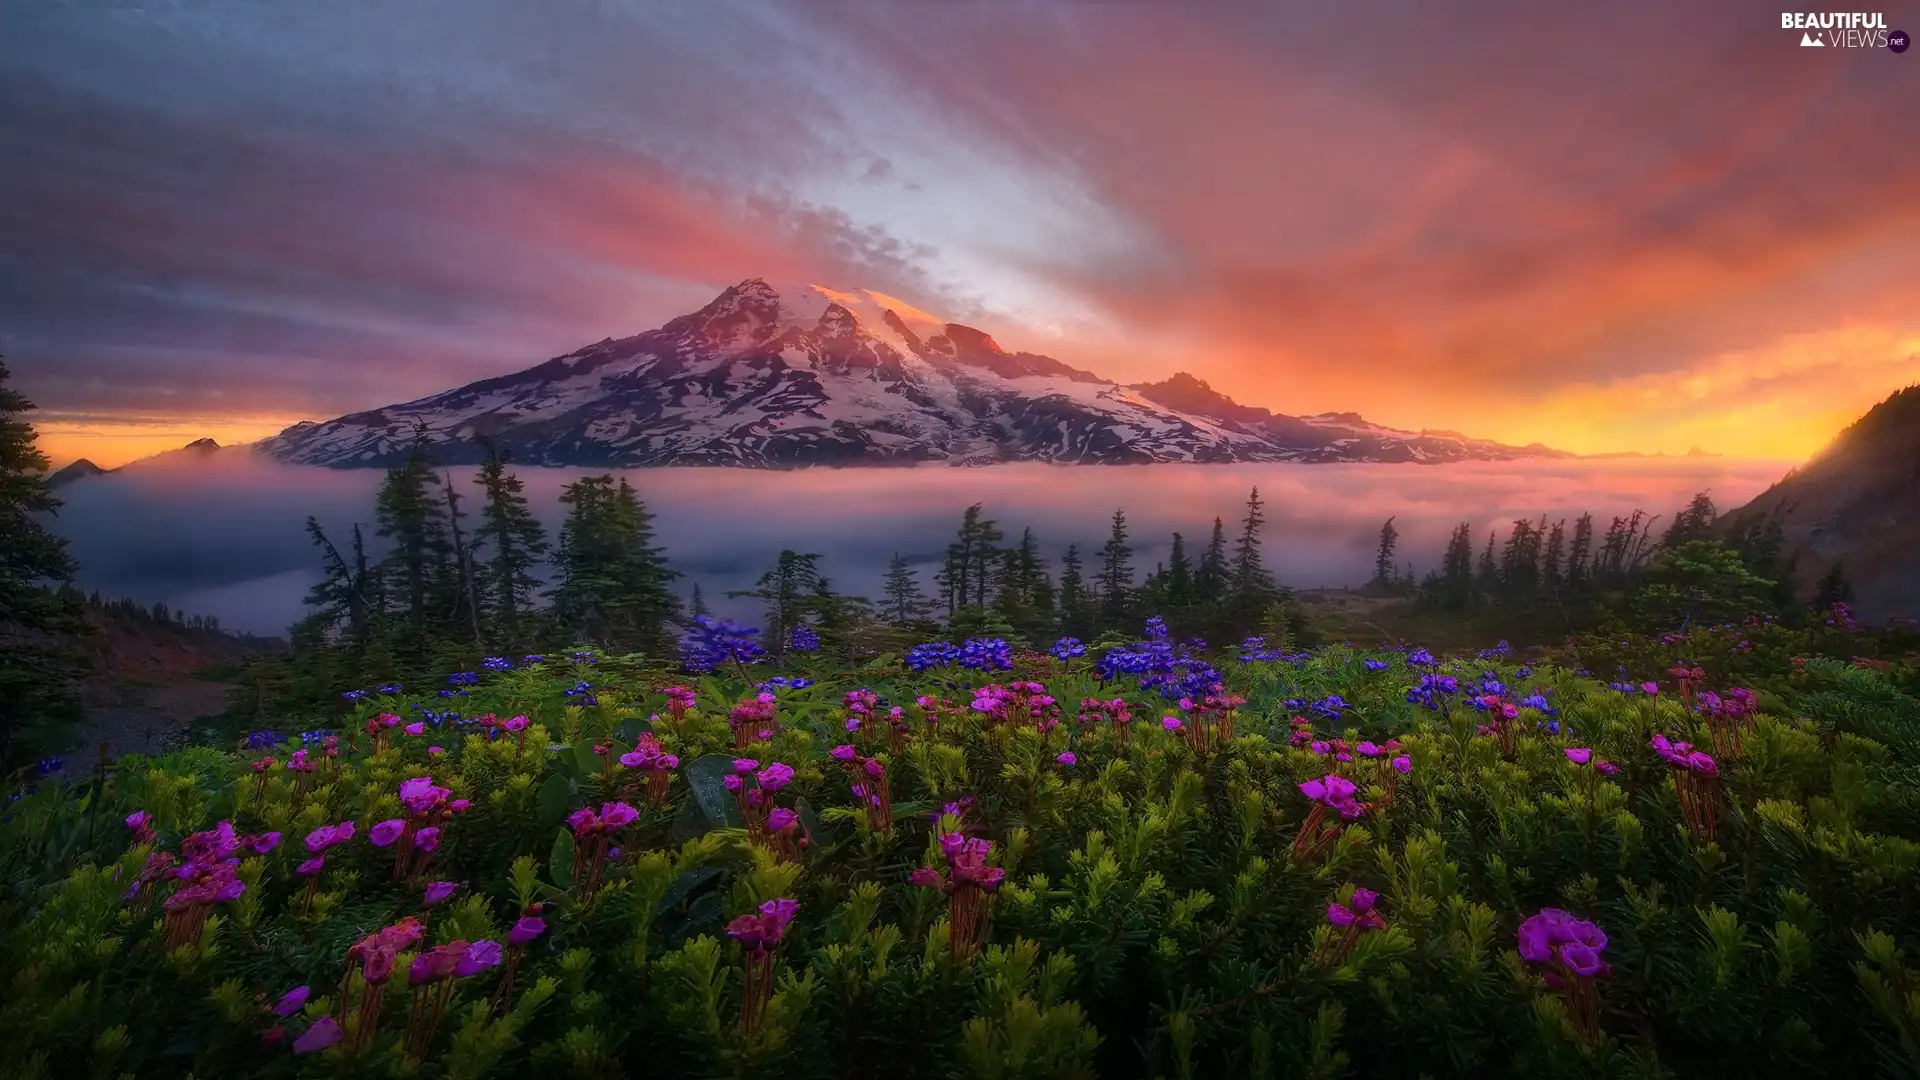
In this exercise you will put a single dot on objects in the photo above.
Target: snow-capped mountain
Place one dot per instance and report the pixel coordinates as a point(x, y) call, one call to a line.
point(780, 378)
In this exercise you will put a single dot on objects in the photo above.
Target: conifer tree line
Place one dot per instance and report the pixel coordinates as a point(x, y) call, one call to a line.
point(460, 573)
point(1699, 566)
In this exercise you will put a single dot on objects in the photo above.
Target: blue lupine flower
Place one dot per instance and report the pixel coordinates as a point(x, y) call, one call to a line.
point(463, 678)
point(1420, 658)
point(1431, 689)
point(986, 654)
point(533, 658)
point(1156, 629)
point(1068, 648)
point(933, 654)
point(712, 642)
point(314, 737)
point(584, 657)
point(496, 663)
point(1330, 706)
point(801, 684)
point(1537, 700)
point(49, 765)
point(391, 688)
point(262, 740)
point(804, 639)
point(1375, 665)
point(353, 695)
point(1161, 665)
point(1523, 672)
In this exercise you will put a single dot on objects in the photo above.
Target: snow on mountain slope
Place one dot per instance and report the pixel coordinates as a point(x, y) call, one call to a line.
point(767, 377)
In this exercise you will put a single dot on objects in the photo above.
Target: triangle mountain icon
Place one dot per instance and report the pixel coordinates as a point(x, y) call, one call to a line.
point(1809, 41)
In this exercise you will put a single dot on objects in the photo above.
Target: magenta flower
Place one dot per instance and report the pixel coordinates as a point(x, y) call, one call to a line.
point(387, 832)
point(1580, 959)
point(311, 866)
point(843, 753)
point(438, 891)
point(528, 928)
point(1358, 913)
point(1067, 759)
point(479, 956)
point(459, 806)
point(324, 1033)
point(1403, 764)
point(415, 728)
point(1650, 687)
point(436, 751)
point(775, 776)
point(745, 765)
point(518, 723)
point(781, 819)
point(1367, 749)
point(1579, 755)
point(1606, 768)
point(266, 842)
point(427, 839)
point(291, 1001)
point(1171, 723)
point(618, 815)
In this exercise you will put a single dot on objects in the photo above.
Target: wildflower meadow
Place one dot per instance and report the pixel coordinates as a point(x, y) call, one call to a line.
point(1678, 856)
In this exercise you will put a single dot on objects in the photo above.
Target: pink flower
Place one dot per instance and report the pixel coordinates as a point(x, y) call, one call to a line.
point(843, 753)
point(436, 751)
point(479, 956)
point(415, 728)
point(387, 832)
point(324, 1033)
point(311, 866)
point(1403, 764)
point(1606, 768)
point(781, 819)
point(427, 839)
point(528, 928)
point(1650, 687)
point(1067, 759)
point(618, 815)
point(291, 1001)
point(518, 723)
point(775, 776)
point(1171, 723)
point(459, 806)
point(266, 842)
point(1579, 755)
point(438, 891)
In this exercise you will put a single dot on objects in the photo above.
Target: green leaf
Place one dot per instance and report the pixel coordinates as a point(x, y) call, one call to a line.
point(631, 729)
point(706, 778)
point(585, 760)
point(809, 821)
point(560, 859)
point(552, 803)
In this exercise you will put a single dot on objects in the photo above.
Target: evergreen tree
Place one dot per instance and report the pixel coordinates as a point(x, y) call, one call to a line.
point(1073, 594)
point(409, 513)
point(970, 561)
point(1179, 588)
point(699, 603)
point(1488, 574)
point(790, 592)
point(1210, 578)
point(1025, 595)
point(38, 681)
point(1114, 582)
point(1383, 557)
point(1693, 523)
point(1553, 562)
point(1520, 559)
point(1252, 586)
point(343, 595)
point(1834, 588)
point(516, 544)
point(1457, 564)
point(613, 583)
point(904, 603)
point(1580, 551)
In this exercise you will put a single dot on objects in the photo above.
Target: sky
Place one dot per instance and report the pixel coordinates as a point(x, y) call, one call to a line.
point(1604, 227)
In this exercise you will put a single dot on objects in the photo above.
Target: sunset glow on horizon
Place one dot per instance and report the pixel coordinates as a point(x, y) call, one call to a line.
point(223, 219)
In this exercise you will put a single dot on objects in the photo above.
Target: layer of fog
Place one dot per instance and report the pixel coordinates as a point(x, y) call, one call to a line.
point(224, 536)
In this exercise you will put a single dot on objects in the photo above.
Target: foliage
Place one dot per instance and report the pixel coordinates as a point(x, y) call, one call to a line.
point(1005, 864)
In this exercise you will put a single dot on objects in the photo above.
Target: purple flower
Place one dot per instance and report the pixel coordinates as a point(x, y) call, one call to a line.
point(1580, 959)
point(387, 832)
point(843, 753)
point(618, 815)
point(1403, 764)
point(266, 842)
point(1171, 723)
point(1579, 755)
point(775, 776)
point(1067, 759)
point(528, 928)
point(1650, 687)
point(781, 819)
point(311, 866)
point(479, 956)
point(427, 839)
point(1606, 768)
point(437, 892)
point(290, 1001)
point(324, 1033)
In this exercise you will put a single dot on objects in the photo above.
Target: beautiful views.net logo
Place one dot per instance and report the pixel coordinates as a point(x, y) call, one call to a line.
point(1844, 30)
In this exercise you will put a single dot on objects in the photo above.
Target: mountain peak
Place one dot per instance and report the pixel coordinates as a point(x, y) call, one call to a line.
point(778, 375)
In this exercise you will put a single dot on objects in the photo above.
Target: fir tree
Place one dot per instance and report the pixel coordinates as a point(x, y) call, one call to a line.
point(613, 583)
point(1114, 582)
point(699, 603)
point(904, 604)
point(1580, 551)
point(38, 680)
point(343, 595)
point(1179, 588)
point(1383, 556)
point(409, 513)
point(791, 591)
point(1252, 586)
point(515, 543)
point(1833, 588)
point(1488, 574)
point(1210, 577)
point(970, 558)
point(1552, 562)
point(1693, 523)
point(1073, 593)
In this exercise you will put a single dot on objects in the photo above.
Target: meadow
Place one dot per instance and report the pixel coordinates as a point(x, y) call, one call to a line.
point(1685, 855)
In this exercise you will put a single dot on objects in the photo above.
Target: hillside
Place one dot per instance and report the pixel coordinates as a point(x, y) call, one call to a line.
point(1858, 501)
